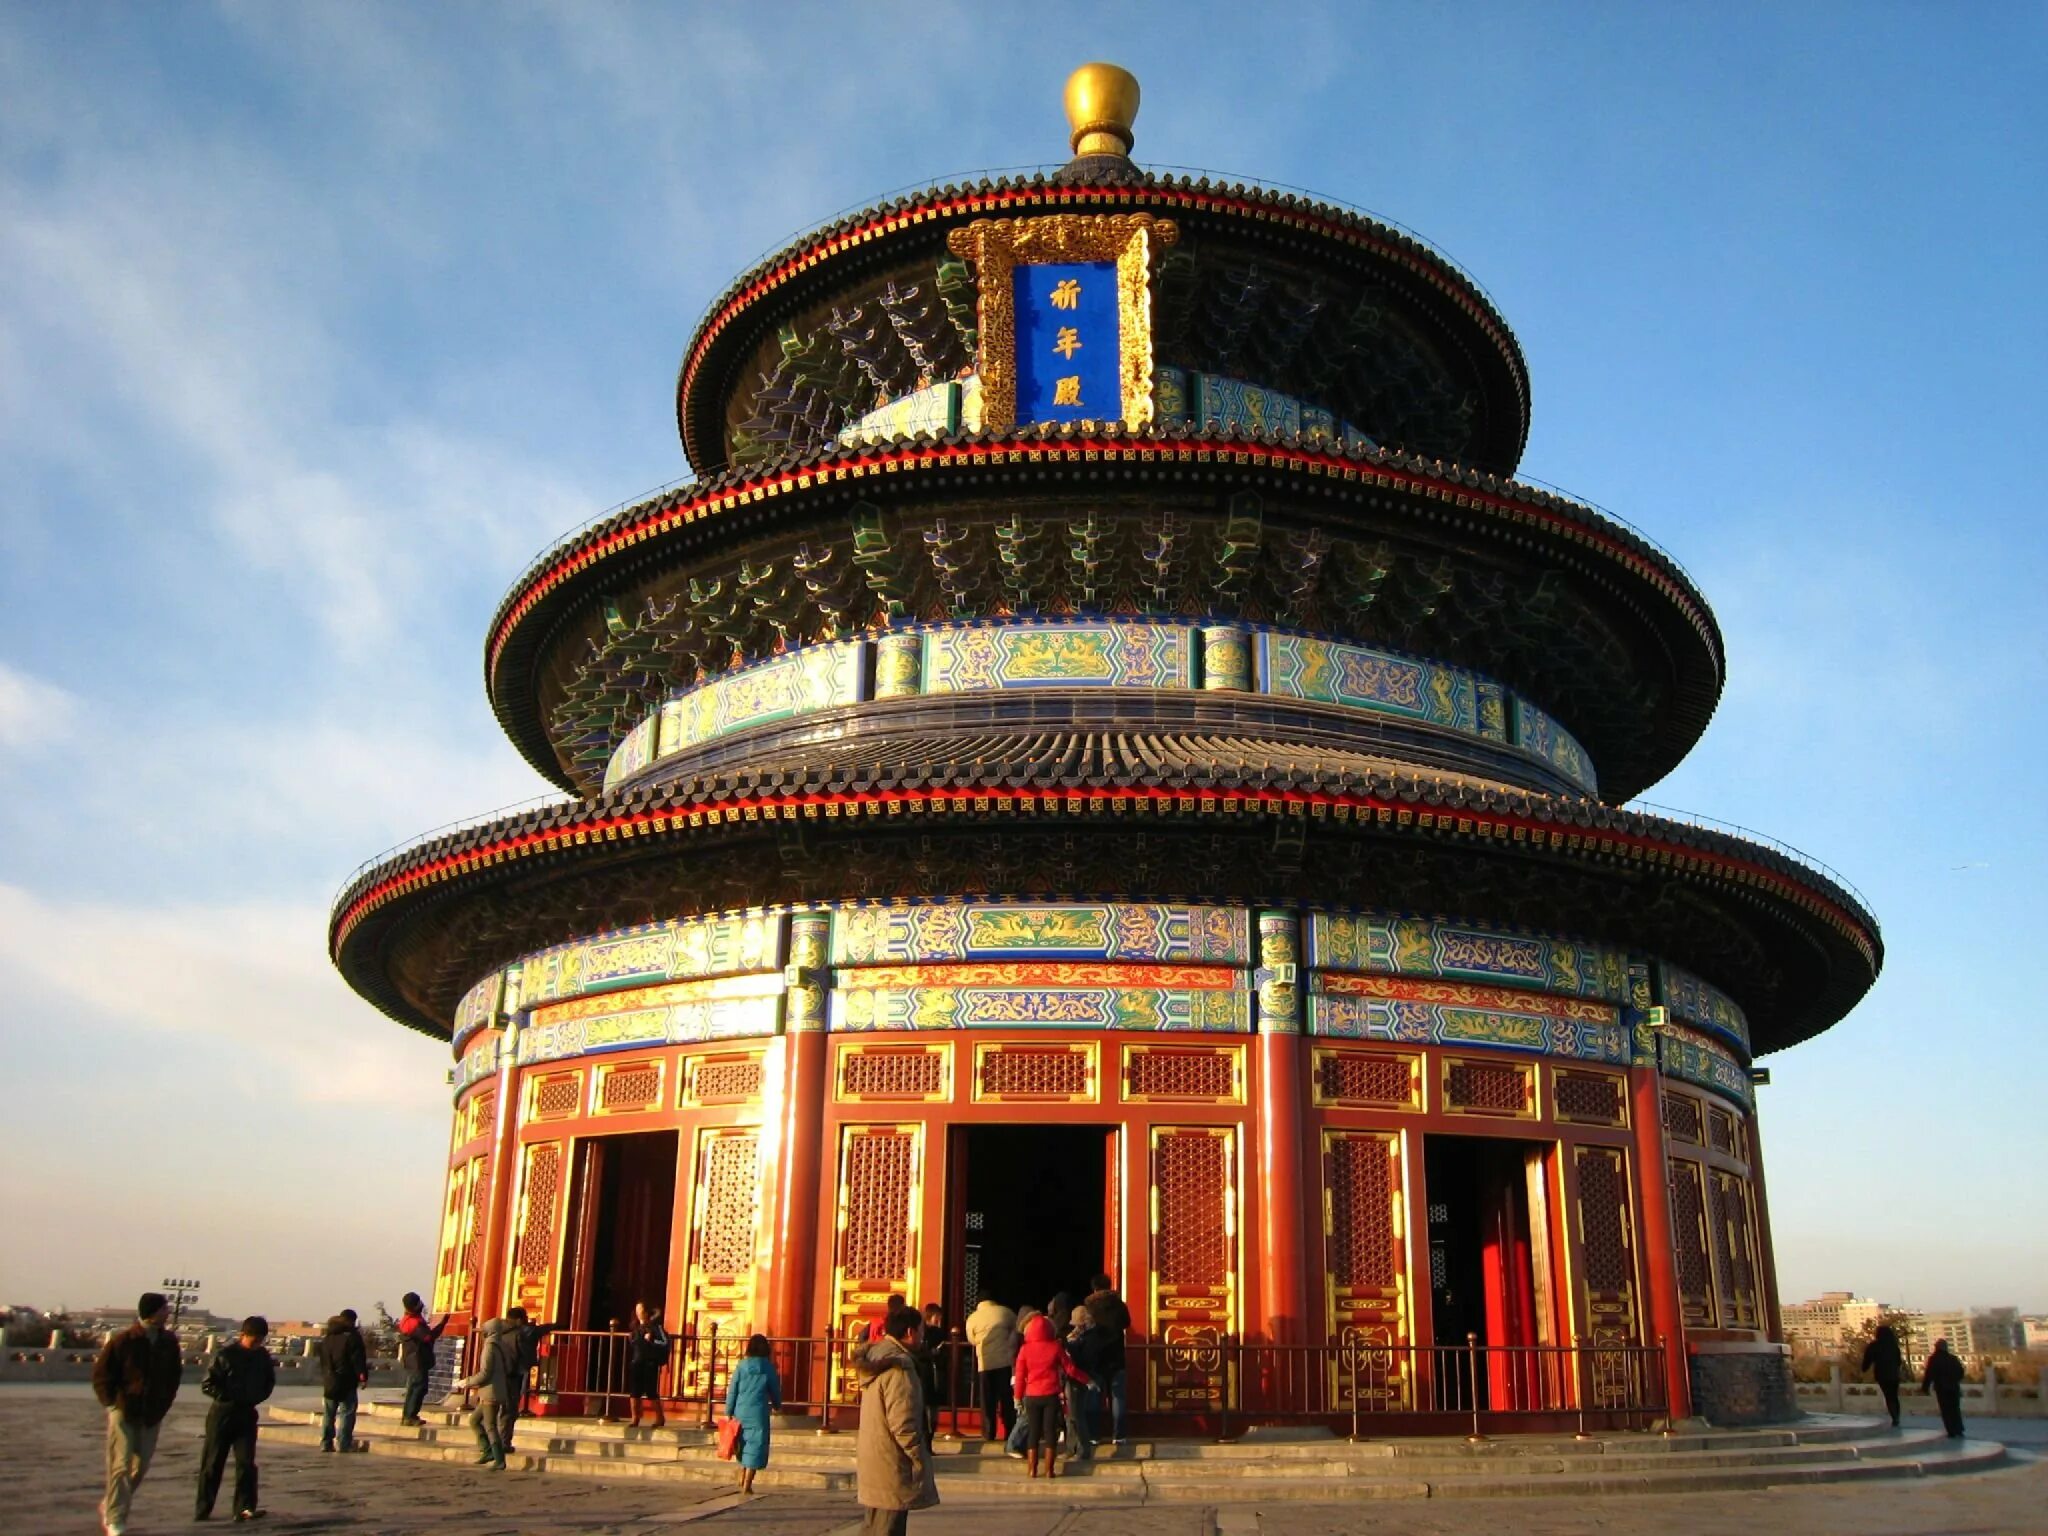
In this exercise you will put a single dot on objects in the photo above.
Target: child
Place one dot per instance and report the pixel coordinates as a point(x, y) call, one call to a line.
point(240, 1376)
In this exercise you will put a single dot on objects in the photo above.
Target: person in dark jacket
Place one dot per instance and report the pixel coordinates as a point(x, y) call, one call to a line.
point(1114, 1319)
point(525, 1345)
point(135, 1379)
point(1944, 1378)
point(1885, 1361)
point(496, 1354)
point(646, 1353)
point(344, 1370)
point(416, 1336)
point(1084, 1344)
point(241, 1375)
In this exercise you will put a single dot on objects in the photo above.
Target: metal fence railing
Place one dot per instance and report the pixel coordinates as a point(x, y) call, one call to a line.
point(1215, 1385)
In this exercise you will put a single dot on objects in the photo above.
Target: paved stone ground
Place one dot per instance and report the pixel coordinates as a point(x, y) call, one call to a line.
point(50, 1460)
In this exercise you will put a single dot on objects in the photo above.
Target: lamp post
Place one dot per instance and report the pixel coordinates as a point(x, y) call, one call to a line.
point(181, 1293)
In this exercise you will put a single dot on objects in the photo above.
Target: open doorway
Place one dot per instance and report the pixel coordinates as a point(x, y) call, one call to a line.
point(1035, 1213)
point(622, 1215)
point(1489, 1259)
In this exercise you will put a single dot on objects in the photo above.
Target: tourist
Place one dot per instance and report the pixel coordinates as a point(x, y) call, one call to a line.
point(930, 1356)
point(1114, 1319)
point(1084, 1346)
point(241, 1375)
point(752, 1391)
point(1944, 1378)
point(1042, 1365)
point(647, 1349)
point(344, 1370)
point(878, 1325)
point(416, 1338)
point(1020, 1431)
point(992, 1331)
point(1883, 1358)
point(895, 1463)
point(497, 1391)
point(135, 1379)
point(525, 1345)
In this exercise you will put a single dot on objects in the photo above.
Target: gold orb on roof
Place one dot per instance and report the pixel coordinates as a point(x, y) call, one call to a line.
point(1102, 103)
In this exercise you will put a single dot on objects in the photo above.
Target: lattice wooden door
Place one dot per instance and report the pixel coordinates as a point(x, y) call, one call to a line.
point(1194, 1261)
point(1608, 1268)
point(881, 1186)
point(1691, 1243)
point(1734, 1255)
point(725, 1226)
point(537, 1249)
point(1365, 1270)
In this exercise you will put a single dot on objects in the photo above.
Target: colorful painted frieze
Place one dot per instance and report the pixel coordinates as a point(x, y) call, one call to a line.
point(1044, 995)
point(477, 1063)
point(1542, 737)
point(814, 678)
point(884, 935)
point(723, 1008)
point(1698, 1002)
point(1359, 1007)
point(1331, 672)
point(1700, 1059)
point(635, 752)
point(1417, 946)
point(1222, 403)
point(934, 409)
point(692, 947)
point(1124, 655)
point(1170, 396)
point(479, 1009)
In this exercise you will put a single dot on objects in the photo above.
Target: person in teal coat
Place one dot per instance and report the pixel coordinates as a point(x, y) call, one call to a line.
point(750, 1392)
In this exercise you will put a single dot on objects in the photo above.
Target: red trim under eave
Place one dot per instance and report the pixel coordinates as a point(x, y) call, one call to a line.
point(920, 213)
point(775, 484)
point(754, 807)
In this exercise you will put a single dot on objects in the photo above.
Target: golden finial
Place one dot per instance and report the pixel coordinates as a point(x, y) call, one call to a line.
point(1102, 103)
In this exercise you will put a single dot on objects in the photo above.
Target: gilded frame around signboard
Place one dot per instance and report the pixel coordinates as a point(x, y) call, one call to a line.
point(997, 247)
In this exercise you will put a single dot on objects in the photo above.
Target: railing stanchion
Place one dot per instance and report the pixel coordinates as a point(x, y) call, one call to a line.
point(1354, 1353)
point(711, 1379)
point(831, 1348)
point(1584, 1387)
point(953, 1377)
point(1472, 1383)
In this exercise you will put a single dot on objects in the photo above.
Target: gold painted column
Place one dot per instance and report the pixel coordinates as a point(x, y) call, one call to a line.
point(1283, 1210)
point(489, 1300)
point(806, 979)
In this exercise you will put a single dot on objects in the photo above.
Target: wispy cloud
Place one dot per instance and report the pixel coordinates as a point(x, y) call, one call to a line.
point(33, 713)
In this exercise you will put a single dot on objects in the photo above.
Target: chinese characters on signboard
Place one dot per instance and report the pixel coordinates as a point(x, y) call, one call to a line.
point(1068, 351)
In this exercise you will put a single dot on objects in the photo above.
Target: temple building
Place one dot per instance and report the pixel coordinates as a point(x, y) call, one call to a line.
point(1108, 770)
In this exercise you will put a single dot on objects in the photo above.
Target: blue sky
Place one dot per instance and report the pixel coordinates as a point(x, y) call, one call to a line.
point(317, 322)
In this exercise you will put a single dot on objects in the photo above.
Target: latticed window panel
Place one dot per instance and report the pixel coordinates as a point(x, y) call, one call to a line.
point(1607, 1262)
point(878, 1180)
point(476, 1228)
point(1012, 1073)
point(483, 1113)
point(540, 1216)
point(900, 1072)
point(555, 1096)
point(1723, 1135)
point(628, 1088)
point(453, 1209)
point(1734, 1258)
point(1183, 1074)
point(1589, 1098)
point(1503, 1089)
point(736, 1079)
point(1689, 1238)
point(728, 1202)
point(1361, 1171)
point(1682, 1119)
point(1374, 1079)
point(1191, 1179)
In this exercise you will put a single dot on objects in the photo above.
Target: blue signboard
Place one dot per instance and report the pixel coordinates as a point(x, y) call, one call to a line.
point(1068, 349)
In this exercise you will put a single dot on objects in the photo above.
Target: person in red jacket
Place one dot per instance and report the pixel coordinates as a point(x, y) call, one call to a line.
point(1042, 1365)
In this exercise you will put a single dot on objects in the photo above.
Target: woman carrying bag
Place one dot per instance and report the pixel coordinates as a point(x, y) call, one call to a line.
point(646, 1353)
point(752, 1392)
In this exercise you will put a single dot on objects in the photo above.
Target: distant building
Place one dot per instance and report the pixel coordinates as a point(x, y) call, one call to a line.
point(1983, 1333)
point(1820, 1326)
point(2035, 1331)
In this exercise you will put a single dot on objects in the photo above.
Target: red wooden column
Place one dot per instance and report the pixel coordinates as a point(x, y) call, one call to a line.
point(802, 1130)
point(1653, 1192)
point(489, 1300)
point(1283, 1277)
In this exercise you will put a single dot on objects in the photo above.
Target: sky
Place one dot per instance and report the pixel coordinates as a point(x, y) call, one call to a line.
point(318, 322)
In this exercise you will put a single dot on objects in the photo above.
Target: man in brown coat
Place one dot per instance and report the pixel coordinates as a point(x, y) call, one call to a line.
point(135, 1378)
point(895, 1474)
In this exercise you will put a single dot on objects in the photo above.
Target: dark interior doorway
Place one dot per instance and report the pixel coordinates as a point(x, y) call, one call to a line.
point(1034, 1212)
point(620, 1225)
point(1489, 1253)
